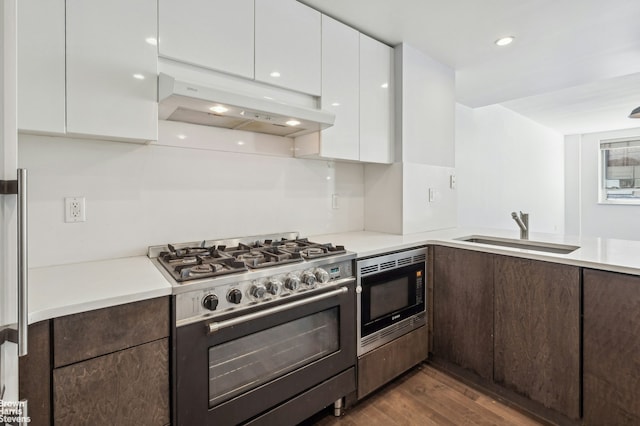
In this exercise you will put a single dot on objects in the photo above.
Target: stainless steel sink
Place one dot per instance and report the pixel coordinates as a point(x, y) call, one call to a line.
point(520, 244)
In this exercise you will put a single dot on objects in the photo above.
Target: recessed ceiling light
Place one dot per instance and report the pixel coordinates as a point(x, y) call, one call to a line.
point(240, 143)
point(138, 76)
point(275, 74)
point(182, 137)
point(293, 123)
point(384, 85)
point(219, 109)
point(505, 40)
point(152, 41)
point(335, 104)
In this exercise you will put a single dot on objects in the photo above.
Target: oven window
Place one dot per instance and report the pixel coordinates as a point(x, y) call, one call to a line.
point(249, 361)
point(388, 297)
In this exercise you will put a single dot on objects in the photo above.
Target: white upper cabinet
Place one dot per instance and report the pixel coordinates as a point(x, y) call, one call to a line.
point(112, 66)
point(215, 34)
point(376, 101)
point(287, 47)
point(41, 68)
point(340, 92)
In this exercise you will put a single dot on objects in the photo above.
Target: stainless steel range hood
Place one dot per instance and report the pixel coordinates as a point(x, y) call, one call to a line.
point(213, 106)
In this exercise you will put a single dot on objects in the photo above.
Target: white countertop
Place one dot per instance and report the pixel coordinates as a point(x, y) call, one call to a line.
point(598, 253)
point(56, 291)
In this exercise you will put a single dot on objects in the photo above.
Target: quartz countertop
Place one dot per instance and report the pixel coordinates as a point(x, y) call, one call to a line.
point(55, 291)
point(597, 253)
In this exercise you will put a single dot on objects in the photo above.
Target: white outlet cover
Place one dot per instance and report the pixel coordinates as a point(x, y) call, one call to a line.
point(74, 209)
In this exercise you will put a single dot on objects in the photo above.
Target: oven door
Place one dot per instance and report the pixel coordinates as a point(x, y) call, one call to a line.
point(233, 369)
point(390, 297)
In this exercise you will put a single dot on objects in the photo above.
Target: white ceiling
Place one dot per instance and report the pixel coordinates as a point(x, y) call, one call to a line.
point(574, 66)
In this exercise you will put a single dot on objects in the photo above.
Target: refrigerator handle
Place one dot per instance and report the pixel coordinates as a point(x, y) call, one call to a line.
point(23, 263)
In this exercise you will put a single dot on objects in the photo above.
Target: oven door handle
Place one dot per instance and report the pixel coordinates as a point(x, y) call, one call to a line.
point(213, 327)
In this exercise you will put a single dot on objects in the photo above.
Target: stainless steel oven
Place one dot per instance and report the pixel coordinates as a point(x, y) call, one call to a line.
point(391, 298)
point(265, 329)
point(243, 368)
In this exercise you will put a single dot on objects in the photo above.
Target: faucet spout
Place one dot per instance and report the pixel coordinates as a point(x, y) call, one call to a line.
point(523, 223)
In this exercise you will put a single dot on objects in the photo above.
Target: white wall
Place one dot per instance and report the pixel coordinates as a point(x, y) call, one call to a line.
point(142, 195)
point(598, 220)
point(506, 162)
point(425, 108)
point(572, 196)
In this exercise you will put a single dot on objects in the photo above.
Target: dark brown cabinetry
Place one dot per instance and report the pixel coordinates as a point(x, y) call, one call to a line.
point(463, 309)
point(103, 367)
point(537, 331)
point(611, 387)
point(514, 323)
point(35, 374)
point(389, 361)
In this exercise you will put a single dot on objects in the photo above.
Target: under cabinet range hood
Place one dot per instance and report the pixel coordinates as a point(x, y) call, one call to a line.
point(213, 106)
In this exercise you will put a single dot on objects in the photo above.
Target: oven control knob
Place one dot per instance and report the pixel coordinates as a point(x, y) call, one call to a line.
point(210, 302)
point(257, 291)
point(273, 287)
point(292, 283)
point(234, 296)
point(309, 279)
point(321, 275)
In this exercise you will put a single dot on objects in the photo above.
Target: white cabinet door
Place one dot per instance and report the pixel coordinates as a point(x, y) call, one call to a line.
point(376, 101)
point(216, 34)
point(288, 45)
point(340, 93)
point(41, 68)
point(112, 69)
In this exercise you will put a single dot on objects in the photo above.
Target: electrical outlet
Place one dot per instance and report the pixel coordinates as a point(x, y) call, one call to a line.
point(432, 195)
point(74, 209)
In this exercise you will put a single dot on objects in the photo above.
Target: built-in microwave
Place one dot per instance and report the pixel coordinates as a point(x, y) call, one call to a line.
point(391, 297)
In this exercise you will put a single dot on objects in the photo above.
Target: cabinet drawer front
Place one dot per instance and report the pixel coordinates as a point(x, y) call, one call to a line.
point(90, 334)
point(129, 387)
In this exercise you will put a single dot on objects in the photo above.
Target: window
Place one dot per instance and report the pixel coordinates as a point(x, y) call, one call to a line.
point(620, 171)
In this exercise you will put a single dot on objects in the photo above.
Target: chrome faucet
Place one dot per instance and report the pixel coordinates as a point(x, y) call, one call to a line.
point(523, 223)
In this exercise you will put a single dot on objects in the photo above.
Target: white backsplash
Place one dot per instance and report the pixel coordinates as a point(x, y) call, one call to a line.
point(137, 196)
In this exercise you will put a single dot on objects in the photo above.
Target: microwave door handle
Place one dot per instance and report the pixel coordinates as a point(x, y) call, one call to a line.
point(23, 263)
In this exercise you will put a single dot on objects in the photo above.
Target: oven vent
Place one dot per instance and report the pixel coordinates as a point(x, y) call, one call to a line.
point(368, 269)
point(404, 261)
point(420, 258)
point(388, 265)
point(392, 330)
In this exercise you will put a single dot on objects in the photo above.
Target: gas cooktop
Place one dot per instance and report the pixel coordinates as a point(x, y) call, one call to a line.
point(209, 259)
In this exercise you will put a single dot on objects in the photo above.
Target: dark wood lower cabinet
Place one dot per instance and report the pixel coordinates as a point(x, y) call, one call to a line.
point(463, 309)
point(611, 346)
point(129, 387)
point(382, 364)
point(35, 374)
point(537, 332)
point(103, 367)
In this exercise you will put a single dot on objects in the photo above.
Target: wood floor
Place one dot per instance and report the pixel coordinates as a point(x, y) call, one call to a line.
point(425, 396)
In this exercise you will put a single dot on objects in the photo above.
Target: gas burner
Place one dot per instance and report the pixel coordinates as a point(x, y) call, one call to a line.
point(266, 256)
point(313, 251)
point(205, 268)
point(251, 258)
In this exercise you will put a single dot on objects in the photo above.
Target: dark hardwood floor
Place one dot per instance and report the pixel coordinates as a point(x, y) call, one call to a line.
point(425, 396)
